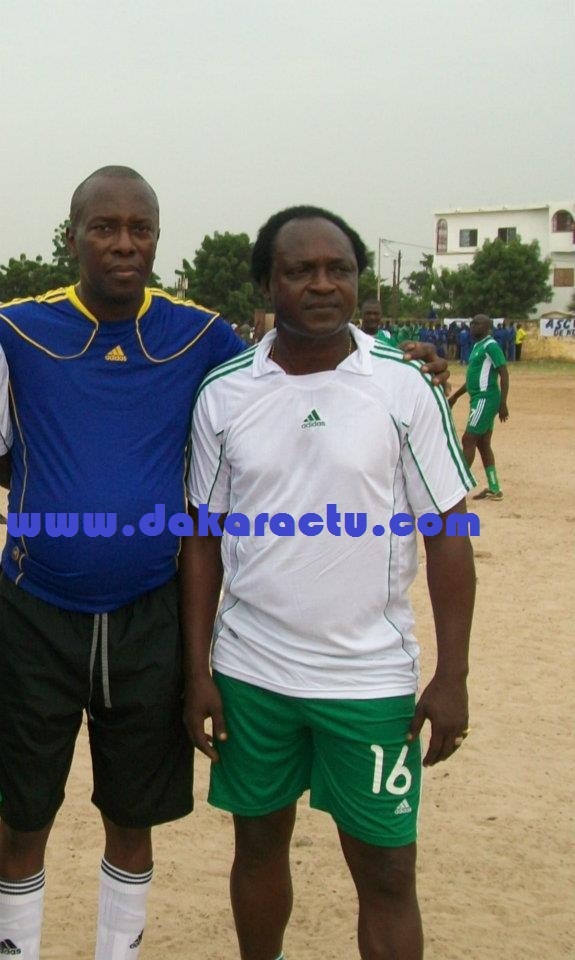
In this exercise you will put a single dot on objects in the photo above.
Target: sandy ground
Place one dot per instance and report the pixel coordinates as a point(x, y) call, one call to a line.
point(497, 821)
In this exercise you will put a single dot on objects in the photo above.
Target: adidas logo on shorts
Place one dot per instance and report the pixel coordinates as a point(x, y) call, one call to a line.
point(9, 949)
point(402, 807)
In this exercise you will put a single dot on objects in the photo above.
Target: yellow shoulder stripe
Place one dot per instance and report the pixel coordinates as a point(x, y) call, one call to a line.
point(181, 303)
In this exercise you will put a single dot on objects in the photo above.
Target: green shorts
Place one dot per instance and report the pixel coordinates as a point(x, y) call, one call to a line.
point(351, 754)
point(483, 409)
point(141, 755)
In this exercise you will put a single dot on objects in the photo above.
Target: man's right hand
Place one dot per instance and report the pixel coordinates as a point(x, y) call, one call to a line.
point(432, 363)
point(203, 701)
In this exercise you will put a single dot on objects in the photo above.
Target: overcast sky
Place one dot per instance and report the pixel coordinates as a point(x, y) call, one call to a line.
point(382, 110)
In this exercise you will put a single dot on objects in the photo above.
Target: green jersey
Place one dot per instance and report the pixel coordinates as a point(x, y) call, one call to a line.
point(386, 337)
point(485, 360)
point(403, 332)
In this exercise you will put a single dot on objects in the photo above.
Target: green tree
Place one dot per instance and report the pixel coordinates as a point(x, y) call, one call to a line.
point(367, 290)
point(64, 268)
point(448, 291)
point(367, 287)
point(22, 277)
point(220, 277)
point(61, 256)
point(505, 280)
point(421, 286)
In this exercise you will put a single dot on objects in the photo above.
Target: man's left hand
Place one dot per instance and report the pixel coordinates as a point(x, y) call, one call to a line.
point(436, 366)
point(445, 705)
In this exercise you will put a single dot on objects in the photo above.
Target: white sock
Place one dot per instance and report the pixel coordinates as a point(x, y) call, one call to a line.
point(121, 913)
point(21, 908)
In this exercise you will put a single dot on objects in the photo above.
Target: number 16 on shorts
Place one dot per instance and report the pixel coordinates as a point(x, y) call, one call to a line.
point(395, 788)
point(399, 780)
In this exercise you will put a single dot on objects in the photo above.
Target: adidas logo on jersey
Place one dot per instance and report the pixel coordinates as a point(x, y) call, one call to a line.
point(117, 354)
point(313, 419)
point(9, 949)
point(402, 807)
point(137, 941)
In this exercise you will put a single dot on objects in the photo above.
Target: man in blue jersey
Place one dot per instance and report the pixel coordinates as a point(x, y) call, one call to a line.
point(465, 341)
point(103, 375)
point(102, 378)
point(510, 332)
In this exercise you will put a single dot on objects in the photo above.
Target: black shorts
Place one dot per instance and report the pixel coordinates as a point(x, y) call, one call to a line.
point(126, 673)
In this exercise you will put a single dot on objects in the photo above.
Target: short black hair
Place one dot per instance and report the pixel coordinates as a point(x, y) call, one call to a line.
point(370, 302)
point(262, 253)
point(117, 172)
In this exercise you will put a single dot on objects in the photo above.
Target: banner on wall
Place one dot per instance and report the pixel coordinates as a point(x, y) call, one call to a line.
point(557, 327)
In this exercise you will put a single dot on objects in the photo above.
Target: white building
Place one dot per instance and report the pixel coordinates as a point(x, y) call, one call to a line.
point(459, 234)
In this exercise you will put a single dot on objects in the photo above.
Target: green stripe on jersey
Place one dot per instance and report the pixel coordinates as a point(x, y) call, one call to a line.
point(243, 359)
point(389, 566)
point(466, 477)
point(388, 348)
point(423, 480)
point(485, 360)
point(216, 476)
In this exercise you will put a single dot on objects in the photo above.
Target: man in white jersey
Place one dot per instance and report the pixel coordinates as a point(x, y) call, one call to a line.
point(310, 443)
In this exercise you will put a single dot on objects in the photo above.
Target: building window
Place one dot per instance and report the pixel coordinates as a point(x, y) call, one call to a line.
point(441, 238)
point(507, 234)
point(468, 238)
point(563, 277)
point(562, 222)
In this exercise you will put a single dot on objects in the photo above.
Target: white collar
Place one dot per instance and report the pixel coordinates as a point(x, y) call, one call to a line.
point(359, 362)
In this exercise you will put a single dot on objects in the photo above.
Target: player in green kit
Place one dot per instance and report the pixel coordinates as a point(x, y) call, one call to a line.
point(487, 383)
point(371, 322)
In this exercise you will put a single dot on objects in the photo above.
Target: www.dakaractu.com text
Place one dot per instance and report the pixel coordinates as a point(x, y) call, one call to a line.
point(331, 522)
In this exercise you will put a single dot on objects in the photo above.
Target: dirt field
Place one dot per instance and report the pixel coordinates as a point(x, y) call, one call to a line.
point(497, 821)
